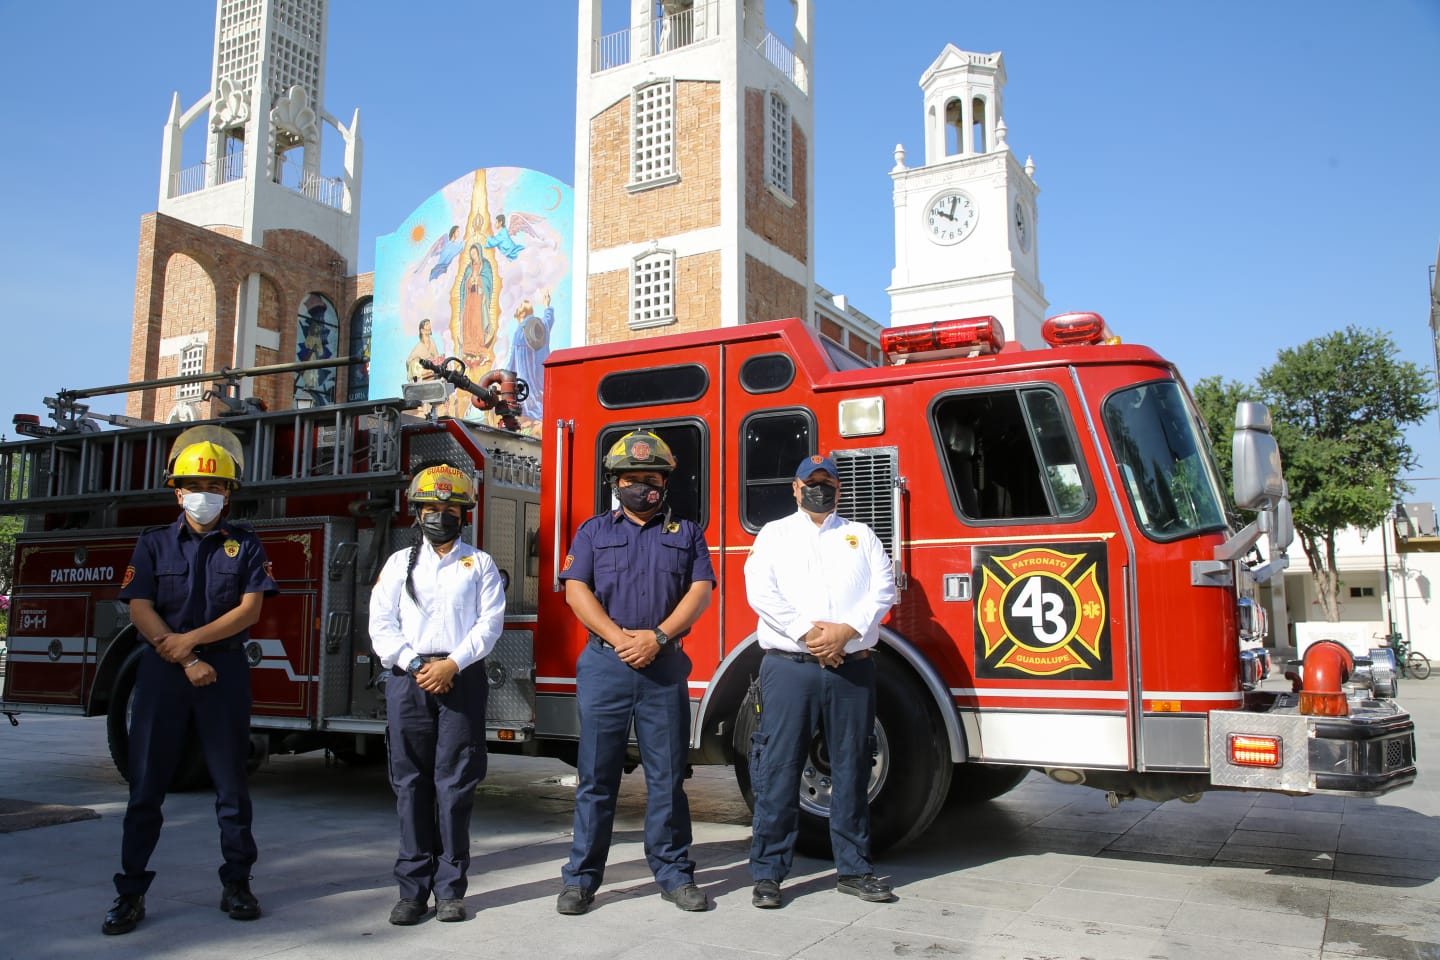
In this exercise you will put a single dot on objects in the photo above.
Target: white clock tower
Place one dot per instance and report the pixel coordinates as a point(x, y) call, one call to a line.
point(965, 221)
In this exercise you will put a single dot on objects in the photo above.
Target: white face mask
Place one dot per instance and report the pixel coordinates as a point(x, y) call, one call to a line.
point(203, 508)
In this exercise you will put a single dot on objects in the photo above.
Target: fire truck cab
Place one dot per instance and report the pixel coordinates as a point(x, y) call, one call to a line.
point(1075, 589)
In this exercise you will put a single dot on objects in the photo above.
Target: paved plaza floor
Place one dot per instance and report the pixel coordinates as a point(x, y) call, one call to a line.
point(1047, 871)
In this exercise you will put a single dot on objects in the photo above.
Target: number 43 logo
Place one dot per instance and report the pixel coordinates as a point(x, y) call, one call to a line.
point(1042, 612)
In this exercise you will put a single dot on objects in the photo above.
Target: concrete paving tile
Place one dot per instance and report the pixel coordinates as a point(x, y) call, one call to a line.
point(1104, 907)
point(945, 921)
point(1384, 906)
point(1425, 870)
point(1048, 869)
point(1244, 924)
point(1356, 938)
point(1427, 890)
point(967, 890)
point(1130, 882)
point(1412, 841)
point(1320, 839)
point(1161, 849)
point(1310, 859)
point(1302, 896)
point(1192, 946)
point(861, 942)
point(1047, 937)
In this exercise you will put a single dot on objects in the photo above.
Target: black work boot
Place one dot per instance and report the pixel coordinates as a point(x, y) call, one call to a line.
point(237, 900)
point(124, 914)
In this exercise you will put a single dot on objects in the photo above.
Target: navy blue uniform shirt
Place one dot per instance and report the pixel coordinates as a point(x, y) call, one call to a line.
point(193, 578)
point(638, 573)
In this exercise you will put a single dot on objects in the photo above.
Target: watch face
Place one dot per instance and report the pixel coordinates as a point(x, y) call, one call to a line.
point(1022, 226)
point(950, 217)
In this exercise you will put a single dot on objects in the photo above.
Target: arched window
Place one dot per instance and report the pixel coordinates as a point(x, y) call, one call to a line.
point(359, 379)
point(317, 330)
point(977, 125)
point(954, 125)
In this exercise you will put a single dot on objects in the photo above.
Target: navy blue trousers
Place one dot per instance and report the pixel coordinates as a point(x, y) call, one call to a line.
point(796, 699)
point(609, 694)
point(437, 759)
point(164, 704)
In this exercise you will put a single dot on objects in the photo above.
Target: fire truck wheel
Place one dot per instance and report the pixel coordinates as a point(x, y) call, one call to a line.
point(978, 782)
point(910, 768)
point(190, 775)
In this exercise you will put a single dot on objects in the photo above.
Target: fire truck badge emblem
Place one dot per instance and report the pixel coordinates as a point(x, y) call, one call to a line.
point(569, 559)
point(1042, 611)
point(853, 540)
point(232, 548)
point(129, 575)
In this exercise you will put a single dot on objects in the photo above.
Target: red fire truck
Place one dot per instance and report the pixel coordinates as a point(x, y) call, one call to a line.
point(1075, 588)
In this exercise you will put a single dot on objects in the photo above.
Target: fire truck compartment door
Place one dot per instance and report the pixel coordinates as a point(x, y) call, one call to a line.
point(51, 650)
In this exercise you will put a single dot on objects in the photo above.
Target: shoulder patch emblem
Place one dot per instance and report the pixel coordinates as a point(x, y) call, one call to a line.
point(232, 548)
point(270, 571)
point(569, 559)
point(853, 540)
point(129, 575)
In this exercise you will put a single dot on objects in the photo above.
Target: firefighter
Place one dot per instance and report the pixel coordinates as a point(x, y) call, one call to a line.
point(194, 587)
point(637, 579)
point(820, 586)
point(436, 611)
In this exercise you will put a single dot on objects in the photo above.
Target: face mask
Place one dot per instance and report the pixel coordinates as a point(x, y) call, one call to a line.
point(640, 497)
point(818, 498)
point(203, 508)
point(440, 527)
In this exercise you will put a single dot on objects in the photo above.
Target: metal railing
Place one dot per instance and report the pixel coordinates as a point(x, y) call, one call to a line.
point(782, 58)
point(658, 36)
point(229, 168)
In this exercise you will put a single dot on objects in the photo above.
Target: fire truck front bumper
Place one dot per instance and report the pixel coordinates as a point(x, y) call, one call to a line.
point(1365, 754)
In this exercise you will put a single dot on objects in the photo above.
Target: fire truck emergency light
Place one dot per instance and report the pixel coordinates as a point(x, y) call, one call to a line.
point(1252, 751)
point(1068, 329)
point(970, 337)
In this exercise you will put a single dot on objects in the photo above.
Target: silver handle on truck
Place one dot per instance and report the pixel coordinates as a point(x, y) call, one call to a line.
point(897, 492)
point(560, 427)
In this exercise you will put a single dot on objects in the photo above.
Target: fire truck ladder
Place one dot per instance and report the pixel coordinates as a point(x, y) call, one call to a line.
point(76, 465)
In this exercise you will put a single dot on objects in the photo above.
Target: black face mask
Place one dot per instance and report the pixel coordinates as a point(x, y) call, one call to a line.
point(818, 497)
point(640, 497)
point(440, 527)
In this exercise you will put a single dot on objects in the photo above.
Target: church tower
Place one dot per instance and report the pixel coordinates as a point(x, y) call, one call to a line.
point(253, 245)
point(693, 166)
point(966, 221)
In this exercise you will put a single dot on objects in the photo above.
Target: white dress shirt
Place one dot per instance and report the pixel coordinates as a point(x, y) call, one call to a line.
point(459, 607)
point(798, 573)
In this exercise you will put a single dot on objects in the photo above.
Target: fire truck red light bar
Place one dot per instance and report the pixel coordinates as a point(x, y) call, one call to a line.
point(983, 335)
point(1253, 751)
point(1065, 329)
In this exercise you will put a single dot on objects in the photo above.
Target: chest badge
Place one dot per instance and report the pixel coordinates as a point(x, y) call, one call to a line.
point(672, 527)
point(467, 562)
point(232, 548)
point(853, 540)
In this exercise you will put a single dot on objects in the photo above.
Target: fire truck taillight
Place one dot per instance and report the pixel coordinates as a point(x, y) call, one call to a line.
point(1253, 751)
point(971, 337)
point(1068, 329)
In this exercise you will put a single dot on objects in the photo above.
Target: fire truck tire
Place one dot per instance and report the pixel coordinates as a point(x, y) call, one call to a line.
point(979, 782)
point(912, 767)
point(190, 775)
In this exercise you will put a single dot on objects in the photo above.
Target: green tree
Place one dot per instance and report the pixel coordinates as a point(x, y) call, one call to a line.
point(1216, 399)
point(1340, 404)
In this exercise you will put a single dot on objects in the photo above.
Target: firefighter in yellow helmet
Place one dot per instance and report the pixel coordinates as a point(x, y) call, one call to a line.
point(637, 578)
point(194, 587)
point(435, 612)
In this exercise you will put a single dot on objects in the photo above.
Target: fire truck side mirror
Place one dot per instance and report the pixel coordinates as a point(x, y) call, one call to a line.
point(1284, 533)
point(1259, 480)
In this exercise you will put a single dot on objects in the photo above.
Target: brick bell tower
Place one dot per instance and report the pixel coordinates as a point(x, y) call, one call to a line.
point(693, 166)
point(249, 258)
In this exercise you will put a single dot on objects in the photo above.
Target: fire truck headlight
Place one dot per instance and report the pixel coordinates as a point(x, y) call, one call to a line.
point(862, 417)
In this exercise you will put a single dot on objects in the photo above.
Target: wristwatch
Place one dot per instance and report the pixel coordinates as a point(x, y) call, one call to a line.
point(415, 666)
point(662, 638)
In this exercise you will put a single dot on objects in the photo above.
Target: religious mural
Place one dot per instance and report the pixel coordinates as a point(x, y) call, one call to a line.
point(479, 272)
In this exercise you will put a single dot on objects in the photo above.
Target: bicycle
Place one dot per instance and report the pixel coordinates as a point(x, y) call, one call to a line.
point(1410, 663)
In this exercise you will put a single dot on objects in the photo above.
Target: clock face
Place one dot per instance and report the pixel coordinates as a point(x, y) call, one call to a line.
point(1022, 225)
point(950, 217)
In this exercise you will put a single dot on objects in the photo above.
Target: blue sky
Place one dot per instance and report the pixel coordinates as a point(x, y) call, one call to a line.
point(1221, 180)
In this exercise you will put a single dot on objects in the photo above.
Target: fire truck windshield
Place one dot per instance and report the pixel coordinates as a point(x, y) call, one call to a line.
point(1169, 476)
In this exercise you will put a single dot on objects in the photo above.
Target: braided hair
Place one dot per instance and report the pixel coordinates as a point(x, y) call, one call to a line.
point(410, 572)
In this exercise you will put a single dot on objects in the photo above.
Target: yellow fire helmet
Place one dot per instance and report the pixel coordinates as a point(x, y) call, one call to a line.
point(441, 483)
point(639, 450)
point(207, 453)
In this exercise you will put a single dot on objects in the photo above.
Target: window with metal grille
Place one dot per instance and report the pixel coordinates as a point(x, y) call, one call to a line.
point(777, 153)
point(192, 361)
point(652, 132)
point(652, 290)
